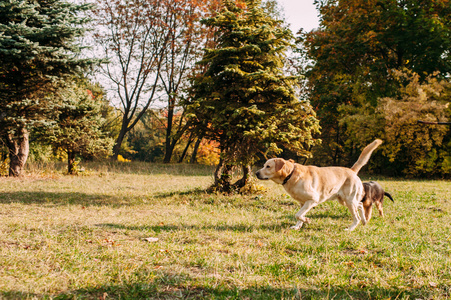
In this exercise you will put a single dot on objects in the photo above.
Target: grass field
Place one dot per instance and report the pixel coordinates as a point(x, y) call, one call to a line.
point(84, 237)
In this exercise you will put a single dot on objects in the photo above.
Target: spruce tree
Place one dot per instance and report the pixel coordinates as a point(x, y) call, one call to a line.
point(244, 100)
point(37, 50)
point(77, 130)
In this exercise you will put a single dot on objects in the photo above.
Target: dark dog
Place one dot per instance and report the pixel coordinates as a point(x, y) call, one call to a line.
point(374, 194)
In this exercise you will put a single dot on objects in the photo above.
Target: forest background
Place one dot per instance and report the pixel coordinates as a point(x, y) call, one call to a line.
point(116, 80)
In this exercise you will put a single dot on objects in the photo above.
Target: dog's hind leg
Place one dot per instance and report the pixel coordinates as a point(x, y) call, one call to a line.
point(380, 208)
point(362, 213)
point(300, 215)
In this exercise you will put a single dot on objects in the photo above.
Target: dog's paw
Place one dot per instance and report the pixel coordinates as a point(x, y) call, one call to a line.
point(297, 226)
point(350, 228)
point(307, 220)
point(364, 220)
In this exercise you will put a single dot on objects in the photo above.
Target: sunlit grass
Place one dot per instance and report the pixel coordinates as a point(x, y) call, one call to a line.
point(84, 236)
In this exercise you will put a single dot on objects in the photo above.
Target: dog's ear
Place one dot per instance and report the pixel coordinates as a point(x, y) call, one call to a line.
point(280, 162)
point(290, 160)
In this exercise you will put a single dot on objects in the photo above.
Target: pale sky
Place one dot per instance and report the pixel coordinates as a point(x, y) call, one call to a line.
point(300, 14)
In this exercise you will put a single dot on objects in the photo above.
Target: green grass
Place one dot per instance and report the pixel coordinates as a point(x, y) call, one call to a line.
point(83, 237)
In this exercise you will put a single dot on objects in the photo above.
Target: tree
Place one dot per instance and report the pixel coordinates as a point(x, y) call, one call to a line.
point(244, 101)
point(185, 41)
point(37, 47)
point(147, 138)
point(133, 36)
point(77, 130)
point(411, 149)
point(356, 49)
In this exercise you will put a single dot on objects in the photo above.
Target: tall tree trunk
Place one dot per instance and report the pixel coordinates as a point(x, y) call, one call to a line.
point(118, 143)
point(169, 140)
point(196, 148)
point(168, 152)
point(170, 145)
point(18, 148)
point(71, 163)
point(245, 179)
point(218, 170)
point(190, 140)
point(223, 178)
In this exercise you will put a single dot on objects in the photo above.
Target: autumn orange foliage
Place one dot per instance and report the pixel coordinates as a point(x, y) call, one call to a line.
point(208, 153)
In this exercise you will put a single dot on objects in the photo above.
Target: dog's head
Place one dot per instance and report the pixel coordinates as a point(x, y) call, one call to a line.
point(276, 169)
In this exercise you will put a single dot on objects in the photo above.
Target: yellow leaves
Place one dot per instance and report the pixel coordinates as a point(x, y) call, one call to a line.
point(120, 158)
point(419, 101)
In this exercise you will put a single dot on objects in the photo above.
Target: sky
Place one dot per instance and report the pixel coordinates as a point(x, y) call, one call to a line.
point(300, 14)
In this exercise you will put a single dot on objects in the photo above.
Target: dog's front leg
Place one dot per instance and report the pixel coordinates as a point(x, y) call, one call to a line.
point(300, 215)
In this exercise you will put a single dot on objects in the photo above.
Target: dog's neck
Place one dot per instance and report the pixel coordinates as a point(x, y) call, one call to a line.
point(289, 176)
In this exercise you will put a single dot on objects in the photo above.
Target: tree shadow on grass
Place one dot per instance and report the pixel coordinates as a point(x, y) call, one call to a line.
point(279, 224)
point(146, 168)
point(324, 211)
point(277, 227)
point(60, 198)
point(329, 215)
point(193, 192)
point(76, 198)
point(167, 285)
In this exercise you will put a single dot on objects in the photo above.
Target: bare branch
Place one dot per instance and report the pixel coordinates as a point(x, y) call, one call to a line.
point(433, 123)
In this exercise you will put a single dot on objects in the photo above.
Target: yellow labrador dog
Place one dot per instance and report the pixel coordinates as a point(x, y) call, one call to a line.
point(312, 185)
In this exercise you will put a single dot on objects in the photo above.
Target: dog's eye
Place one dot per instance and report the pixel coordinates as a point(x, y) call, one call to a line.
point(267, 167)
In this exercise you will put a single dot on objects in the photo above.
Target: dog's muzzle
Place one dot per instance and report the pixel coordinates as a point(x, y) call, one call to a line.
point(259, 176)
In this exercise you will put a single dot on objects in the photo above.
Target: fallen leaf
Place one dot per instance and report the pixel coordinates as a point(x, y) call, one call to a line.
point(110, 242)
point(349, 263)
point(151, 239)
point(103, 297)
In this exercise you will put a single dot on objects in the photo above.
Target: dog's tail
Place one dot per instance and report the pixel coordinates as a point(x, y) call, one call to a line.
point(365, 156)
point(389, 196)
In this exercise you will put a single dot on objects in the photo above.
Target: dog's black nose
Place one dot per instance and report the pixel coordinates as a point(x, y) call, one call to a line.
point(258, 175)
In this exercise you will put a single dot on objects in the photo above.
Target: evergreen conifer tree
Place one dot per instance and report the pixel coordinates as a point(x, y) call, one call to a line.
point(37, 50)
point(77, 130)
point(243, 100)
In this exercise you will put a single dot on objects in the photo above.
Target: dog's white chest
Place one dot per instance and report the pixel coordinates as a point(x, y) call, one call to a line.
point(300, 192)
